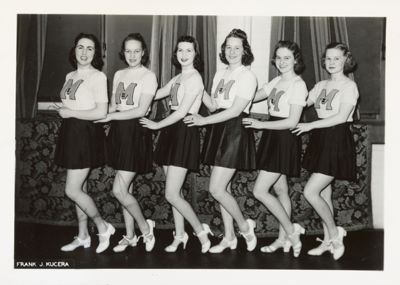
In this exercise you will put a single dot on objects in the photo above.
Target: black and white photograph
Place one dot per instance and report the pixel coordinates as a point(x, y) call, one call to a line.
point(238, 143)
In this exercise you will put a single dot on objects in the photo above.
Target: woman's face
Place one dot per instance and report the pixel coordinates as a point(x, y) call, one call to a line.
point(234, 51)
point(133, 53)
point(185, 53)
point(284, 60)
point(334, 61)
point(84, 52)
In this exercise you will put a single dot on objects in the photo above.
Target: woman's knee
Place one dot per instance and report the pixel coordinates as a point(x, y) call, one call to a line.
point(281, 190)
point(310, 194)
point(119, 193)
point(172, 197)
point(217, 192)
point(259, 193)
point(71, 193)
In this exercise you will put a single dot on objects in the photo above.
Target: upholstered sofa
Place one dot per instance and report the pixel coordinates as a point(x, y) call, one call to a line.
point(40, 197)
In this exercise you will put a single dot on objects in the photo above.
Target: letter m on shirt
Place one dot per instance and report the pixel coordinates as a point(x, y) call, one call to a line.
point(223, 89)
point(126, 94)
point(70, 89)
point(325, 99)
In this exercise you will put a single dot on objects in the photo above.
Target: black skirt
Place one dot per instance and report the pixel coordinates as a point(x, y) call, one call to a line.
point(331, 151)
point(129, 146)
point(228, 144)
point(179, 145)
point(279, 151)
point(80, 144)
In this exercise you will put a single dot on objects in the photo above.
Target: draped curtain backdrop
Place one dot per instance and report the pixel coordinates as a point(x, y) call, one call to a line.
point(312, 34)
point(165, 32)
point(31, 40)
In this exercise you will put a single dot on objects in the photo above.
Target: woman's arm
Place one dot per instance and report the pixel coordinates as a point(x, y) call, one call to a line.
point(309, 102)
point(209, 102)
point(239, 104)
point(246, 88)
point(287, 123)
point(339, 118)
point(137, 112)
point(98, 112)
point(164, 91)
point(112, 107)
point(192, 90)
point(260, 95)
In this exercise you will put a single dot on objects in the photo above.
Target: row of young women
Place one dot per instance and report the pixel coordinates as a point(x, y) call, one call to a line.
point(229, 143)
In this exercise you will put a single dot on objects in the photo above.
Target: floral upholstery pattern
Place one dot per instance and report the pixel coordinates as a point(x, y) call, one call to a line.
point(40, 195)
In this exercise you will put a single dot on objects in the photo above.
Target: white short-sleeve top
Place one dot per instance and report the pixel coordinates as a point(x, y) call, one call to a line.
point(241, 82)
point(83, 89)
point(281, 94)
point(327, 95)
point(177, 92)
point(130, 83)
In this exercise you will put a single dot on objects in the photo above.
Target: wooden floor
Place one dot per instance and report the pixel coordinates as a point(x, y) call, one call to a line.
point(38, 245)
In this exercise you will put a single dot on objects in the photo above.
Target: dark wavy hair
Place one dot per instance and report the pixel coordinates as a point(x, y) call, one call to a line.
point(299, 65)
point(97, 61)
point(137, 37)
point(248, 56)
point(350, 64)
point(197, 62)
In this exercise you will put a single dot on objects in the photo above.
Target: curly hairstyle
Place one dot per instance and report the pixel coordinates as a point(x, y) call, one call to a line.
point(350, 64)
point(299, 65)
point(97, 61)
point(137, 37)
point(197, 62)
point(247, 57)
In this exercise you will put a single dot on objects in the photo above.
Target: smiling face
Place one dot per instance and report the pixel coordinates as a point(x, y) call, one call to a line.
point(133, 53)
point(335, 61)
point(284, 60)
point(234, 51)
point(84, 52)
point(185, 54)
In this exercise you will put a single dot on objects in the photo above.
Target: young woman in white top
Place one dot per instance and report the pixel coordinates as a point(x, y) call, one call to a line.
point(178, 146)
point(129, 145)
point(331, 151)
point(228, 145)
point(279, 151)
point(80, 144)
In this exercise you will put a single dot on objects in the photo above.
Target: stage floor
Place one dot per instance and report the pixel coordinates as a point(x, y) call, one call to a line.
point(37, 246)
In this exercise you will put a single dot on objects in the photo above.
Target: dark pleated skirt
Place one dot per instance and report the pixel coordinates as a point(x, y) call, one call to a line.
point(129, 147)
point(179, 145)
point(279, 151)
point(228, 144)
point(331, 151)
point(80, 144)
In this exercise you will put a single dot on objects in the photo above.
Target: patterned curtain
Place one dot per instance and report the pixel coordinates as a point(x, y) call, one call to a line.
point(31, 40)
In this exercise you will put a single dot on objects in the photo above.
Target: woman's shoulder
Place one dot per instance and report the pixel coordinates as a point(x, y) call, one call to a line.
point(194, 78)
point(350, 82)
point(119, 72)
point(321, 83)
point(247, 75)
point(98, 74)
point(299, 82)
point(147, 73)
point(220, 72)
point(274, 81)
point(248, 72)
point(70, 74)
